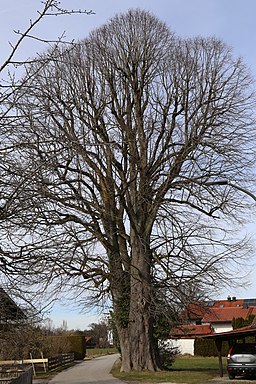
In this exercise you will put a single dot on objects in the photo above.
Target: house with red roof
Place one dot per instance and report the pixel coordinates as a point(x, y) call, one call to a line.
point(221, 318)
point(207, 318)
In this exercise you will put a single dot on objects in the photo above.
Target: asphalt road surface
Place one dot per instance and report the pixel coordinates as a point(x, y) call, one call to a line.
point(89, 372)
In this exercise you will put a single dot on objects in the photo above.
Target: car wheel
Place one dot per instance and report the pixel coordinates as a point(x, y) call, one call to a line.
point(231, 375)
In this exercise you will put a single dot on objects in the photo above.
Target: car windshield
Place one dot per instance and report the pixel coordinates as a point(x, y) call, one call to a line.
point(244, 348)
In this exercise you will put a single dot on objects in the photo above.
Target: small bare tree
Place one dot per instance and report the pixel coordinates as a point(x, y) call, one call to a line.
point(12, 81)
point(127, 156)
point(99, 333)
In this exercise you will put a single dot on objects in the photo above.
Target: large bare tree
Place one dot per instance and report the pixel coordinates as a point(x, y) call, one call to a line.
point(128, 159)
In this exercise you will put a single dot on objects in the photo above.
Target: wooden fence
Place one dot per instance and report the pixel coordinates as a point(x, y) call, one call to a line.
point(60, 361)
point(16, 375)
point(38, 365)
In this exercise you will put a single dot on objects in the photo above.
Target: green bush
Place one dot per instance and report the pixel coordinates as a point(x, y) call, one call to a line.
point(167, 354)
point(55, 345)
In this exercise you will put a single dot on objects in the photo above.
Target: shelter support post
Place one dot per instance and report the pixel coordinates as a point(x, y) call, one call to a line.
point(218, 343)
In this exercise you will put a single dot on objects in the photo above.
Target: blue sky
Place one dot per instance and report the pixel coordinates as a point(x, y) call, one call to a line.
point(231, 20)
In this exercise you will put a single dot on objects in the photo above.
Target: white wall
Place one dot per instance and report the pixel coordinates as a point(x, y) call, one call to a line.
point(184, 345)
point(222, 327)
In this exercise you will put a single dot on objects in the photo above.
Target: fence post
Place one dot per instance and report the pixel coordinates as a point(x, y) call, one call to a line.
point(43, 361)
point(33, 366)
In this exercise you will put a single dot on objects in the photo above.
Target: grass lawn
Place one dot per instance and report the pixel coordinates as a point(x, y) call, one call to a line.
point(94, 352)
point(192, 369)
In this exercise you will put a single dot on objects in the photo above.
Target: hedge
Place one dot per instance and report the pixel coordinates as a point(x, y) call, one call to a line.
point(73, 344)
point(78, 346)
point(204, 347)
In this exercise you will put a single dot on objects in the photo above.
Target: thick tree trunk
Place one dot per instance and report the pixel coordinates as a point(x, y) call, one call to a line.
point(137, 346)
point(136, 340)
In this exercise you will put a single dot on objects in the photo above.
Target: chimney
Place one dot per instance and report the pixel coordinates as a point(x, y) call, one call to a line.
point(233, 298)
point(229, 298)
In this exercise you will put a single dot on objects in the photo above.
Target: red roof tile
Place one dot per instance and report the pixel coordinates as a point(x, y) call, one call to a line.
point(253, 310)
point(195, 311)
point(215, 315)
point(228, 303)
point(191, 330)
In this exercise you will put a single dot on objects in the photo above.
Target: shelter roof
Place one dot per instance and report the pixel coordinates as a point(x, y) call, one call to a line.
point(185, 331)
point(9, 310)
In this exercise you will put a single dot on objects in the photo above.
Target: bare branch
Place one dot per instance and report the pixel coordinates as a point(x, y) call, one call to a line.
point(56, 11)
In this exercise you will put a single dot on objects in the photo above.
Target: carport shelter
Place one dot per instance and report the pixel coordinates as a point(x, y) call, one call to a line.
point(230, 337)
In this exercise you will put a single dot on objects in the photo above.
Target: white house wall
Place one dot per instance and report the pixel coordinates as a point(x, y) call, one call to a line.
point(222, 327)
point(185, 346)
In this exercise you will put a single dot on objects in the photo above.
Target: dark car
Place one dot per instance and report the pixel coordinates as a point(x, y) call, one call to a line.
point(241, 360)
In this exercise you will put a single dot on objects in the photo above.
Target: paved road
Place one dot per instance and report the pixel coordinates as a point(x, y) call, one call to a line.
point(89, 372)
